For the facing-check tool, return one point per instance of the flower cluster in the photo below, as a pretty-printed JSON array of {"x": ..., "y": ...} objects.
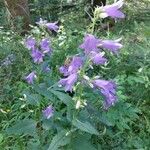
[
  {"x": 93, "y": 49},
  {"x": 38, "y": 51}
]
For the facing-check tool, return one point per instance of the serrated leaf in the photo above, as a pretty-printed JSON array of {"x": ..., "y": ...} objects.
[
  {"x": 26, "y": 126},
  {"x": 85, "y": 126},
  {"x": 60, "y": 139},
  {"x": 65, "y": 98}
]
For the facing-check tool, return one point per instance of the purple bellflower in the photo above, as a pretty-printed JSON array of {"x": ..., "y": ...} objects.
[
  {"x": 48, "y": 112},
  {"x": 73, "y": 67},
  {"x": 75, "y": 64},
  {"x": 69, "y": 82},
  {"x": 30, "y": 78},
  {"x": 30, "y": 43},
  {"x": 108, "y": 89},
  {"x": 112, "y": 10},
  {"x": 37, "y": 56},
  {"x": 52, "y": 26},
  {"x": 97, "y": 58},
  {"x": 90, "y": 43},
  {"x": 45, "y": 46},
  {"x": 111, "y": 45}
]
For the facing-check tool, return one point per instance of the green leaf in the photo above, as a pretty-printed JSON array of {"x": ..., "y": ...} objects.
[
  {"x": 60, "y": 139},
  {"x": 1, "y": 138},
  {"x": 26, "y": 126},
  {"x": 66, "y": 99},
  {"x": 43, "y": 91},
  {"x": 33, "y": 99},
  {"x": 85, "y": 126},
  {"x": 84, "y": 141}
]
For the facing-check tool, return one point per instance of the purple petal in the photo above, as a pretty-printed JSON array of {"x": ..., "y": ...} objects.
[
  {"x": 98, "y": 58},
  {"x": 31, "y": 77},
  {"x": 69, "y": 82},
  {"x": 113, "y": 46},
  {"x": 108, "y": 89},
  {"x": 52, "y": 26},
  {"x": 37, "y": 56},
  {"x": 90, "y": 43},
  {"x": 45, "y": 45},
  {"x": 48, "y": 112},
  {"x": 30, "y": 43}
]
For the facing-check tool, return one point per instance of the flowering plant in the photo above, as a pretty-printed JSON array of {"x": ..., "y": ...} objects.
[{"x": 78, "y": 90}]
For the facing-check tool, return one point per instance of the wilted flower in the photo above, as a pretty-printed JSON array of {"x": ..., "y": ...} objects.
[
  {"x": 45, "y": 46},
  {"x": 52, "y": 26},
  {"x": 108, "y": 89},
  {"x": 30, "y": 43},
  {"x": 31, "y": 77},
  {"x": 90, "y": 43},
  {"x": 97, "y": 58},
  {"x": 111, "y": 45},
  {"x": 69, "y": 82},
  {"x": 48, "y": 112},
  {"x": 112, "y": 10},
  {"x": 37, "y": 56}
]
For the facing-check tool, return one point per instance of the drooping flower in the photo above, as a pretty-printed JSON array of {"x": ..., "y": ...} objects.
[
  {"x": 73, "y": 67},
  {"x": 37, "y": 56},
  {"x": 52, "y": 26},
  {"x": 30, "y": 78},
  {"x": 69, "y": 82},
  {"x": 48, "y": 112},
  {"x": 90, "y": 43},
  {"x": 112, "y": 10},
  {"x": 30, "y": 43},
  {"x": 111, "y": 45},
  {"x": 45, "y": 45},
  {"x": 97, "y": 58},
  {"x": 108, "y": 89},
  {"x": 75, "y": 64}
]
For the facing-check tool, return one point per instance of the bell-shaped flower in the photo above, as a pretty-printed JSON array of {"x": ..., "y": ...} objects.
[
  {"x": 75, "y": 64},
  {"x": 30, "y": 78},
  {"x": 97, "y": 58},
  {"x": 108, "y": 89},
  {"x": 37, "y": 56},
  {"x": 45, "y": 45},
  {"x": 112, "y": 10},
  {"x": 111, "y": 45},
  {"x": 30, "y": 43},
  {"x": 73, "y": 67},
  {"x": 52, "y": 26},
  {"x": 48, "y": 112},
  {"x": 90, "y": 43},
  {"x": 69, "y": 82}
]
